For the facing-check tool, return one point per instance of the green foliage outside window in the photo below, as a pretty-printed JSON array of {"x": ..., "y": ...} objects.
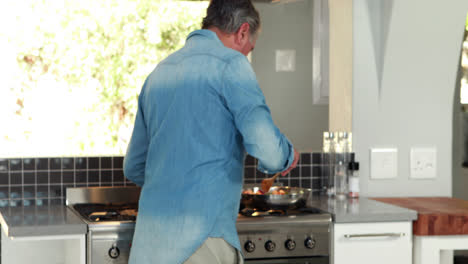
[{"x": 74, "y": 69}]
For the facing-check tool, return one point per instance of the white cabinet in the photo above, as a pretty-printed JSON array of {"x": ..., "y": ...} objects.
[
  {"x": 63, "y": 249},
  {"x": 371, "y": 243}
]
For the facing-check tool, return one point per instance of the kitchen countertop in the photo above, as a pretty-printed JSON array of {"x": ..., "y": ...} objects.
[
  {"x": 47, "y": 220},
  {"x": 56, "y": 220},
  {"x": 437, "y": 216},
  {"x": 362, "y": 210}
]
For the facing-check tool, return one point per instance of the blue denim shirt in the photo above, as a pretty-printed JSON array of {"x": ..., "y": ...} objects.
[{"x": 199, "y": 111}]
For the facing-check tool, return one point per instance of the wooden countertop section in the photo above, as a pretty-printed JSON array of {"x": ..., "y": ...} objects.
[{"x": 436, "y": 215}]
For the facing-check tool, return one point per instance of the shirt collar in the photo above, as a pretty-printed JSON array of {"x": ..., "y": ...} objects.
[{"x": 206, "y": 33}]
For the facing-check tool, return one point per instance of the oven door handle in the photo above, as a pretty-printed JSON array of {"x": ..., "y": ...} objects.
[{"x": 374, "y": 235}]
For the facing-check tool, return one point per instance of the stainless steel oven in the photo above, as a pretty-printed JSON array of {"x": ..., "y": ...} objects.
[
  {"x": 309, "y": 260},
  {"x": 298, "y": 236},
  {"x": 110, "y": 214},
  {"x": 272, "y": 237}
]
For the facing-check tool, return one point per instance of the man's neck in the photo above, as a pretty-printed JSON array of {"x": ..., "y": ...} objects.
[{"x": 226, "y": 39}]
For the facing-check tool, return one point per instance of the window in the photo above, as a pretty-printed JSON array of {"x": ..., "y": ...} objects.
[
  {"x": 464, "y": 65},
  {"x": 72, "y": 70}
]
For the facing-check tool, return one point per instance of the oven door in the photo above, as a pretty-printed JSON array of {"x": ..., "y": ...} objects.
[
  {"x": 111, "y": 246},
  {"x": 309, "y": 260}
]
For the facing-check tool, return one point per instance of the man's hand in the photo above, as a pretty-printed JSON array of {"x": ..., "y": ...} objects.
[{"x": 293, "y": 165}]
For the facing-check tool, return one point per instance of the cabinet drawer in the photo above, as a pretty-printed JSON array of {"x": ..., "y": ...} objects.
[{"x": 372, "y": 243}]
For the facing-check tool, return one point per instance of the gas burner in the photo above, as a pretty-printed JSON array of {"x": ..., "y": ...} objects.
[
  {"x": 254, "y": 212},
  {"x": 290, "y": 212},
  {"x": 107, "y": 212}
]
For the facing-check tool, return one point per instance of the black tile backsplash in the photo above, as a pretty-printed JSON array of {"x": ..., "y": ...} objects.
[
  {"x": 106, "y": 176},
  {"x": 118, "y": 162},
  {"x": 42, "y": 177},
  {"x": 81, "y": 177},
  {"x": 38, "y": 181},
  {"x": 93, "y": 176},
  {"x": 305, "y": 158},
  {"x": 316, "y": 158},
  {"x": 16, "y": 178},
  {"x": 55, "y": 177},
  {"x": 68, "y": 177},
  {"x": 118, "y": 175},
  {"x": 16, "y": 192},
  {"x": 250, "y": 161},
  {"x": 55, "y": 163},
  {"x": 249, "y": 172},
  {"x": 29, "y": 177},
  {"x": 106, "y": 162},
  {"x": 42, "y": 164},
  {"x": 295, "y": 172},
  {"x": 4, "y": 165},
  {"x": 4, "y": 178},
  {"x": 29, "y": 191},
  {"x": 16, "y": 165},
  {"x": 29, "y": 164},
  {"x": 55, "y": 191},
  {"x": 68, "y": 163},
  {"x": 42, "y": 191},
  {"x": 4, "y": 192},
  {"x": 93, "y": 163},
  {"x": 311, "y": 172},
  {"x": 81, "y": 163}
]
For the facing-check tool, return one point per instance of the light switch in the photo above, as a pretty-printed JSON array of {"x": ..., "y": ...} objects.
[
  {"x": 423, "y": 163},
  {"x": 285, "y": 60},
  {"x": 384, "y": 163}
]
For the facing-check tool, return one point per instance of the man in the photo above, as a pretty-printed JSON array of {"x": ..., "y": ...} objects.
[{"x": 198, "y": 112}]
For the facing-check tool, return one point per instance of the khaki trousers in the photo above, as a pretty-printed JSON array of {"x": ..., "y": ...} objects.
[{"x": 215, "y": 251}]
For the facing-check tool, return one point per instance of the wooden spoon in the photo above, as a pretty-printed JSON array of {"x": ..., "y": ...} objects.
[{"x": 268, "y": 182}]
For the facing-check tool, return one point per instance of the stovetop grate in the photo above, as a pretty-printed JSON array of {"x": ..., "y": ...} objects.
[
  {"x": 289, "y": 212},
  {"x": 107, "y": 212}
]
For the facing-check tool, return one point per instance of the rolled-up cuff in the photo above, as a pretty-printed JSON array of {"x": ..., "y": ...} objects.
[{"x": 288, "y": 162}]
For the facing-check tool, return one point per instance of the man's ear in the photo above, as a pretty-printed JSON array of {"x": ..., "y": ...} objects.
[{"x": 242, "y": 34}]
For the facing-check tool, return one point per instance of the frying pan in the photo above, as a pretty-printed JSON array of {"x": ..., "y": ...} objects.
[{"x": 295, "y": 198}]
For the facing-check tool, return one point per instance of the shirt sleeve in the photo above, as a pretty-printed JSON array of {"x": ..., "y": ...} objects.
[
  {"x": 252, "y": 117},
  {"x": 135, "y": 158}
]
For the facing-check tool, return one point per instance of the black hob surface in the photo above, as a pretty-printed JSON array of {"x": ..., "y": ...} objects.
[
  {"x": 248, "y": 212},
  {"x": 107, "y": 212}
]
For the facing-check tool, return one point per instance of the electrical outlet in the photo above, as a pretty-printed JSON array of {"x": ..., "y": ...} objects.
[
  {"x": 384, "y": 163},
  {"x": 423, "y": 163}
]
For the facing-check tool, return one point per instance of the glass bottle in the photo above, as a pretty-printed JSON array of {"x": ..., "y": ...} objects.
[
  {"x": 331, "y": 165},
  {"x": 353, "y": 171},
  {"x": 326, "y": 142},
  {"x": 341, "y": 181}
]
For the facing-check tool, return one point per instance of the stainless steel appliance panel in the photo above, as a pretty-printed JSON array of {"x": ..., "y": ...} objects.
[
  {"x": 110, "y": 247},
  {"x": 317, "y": 238},
  {"x": 311, "y": 260}
]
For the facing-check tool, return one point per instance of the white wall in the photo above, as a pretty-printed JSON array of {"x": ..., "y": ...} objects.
[
  {"x": 414, "y": 104},
  {"x": 289, "y": 94}
]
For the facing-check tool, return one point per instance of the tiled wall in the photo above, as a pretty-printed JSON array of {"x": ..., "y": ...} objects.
[
  {"x": 312, "y": 170},
  {"x": 38, "y": 181}
]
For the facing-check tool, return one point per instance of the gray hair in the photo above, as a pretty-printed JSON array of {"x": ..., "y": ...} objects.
[{"x": 229, "y": 15}]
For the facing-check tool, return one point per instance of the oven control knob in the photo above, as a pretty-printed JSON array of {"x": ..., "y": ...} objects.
[
  {"x": 270, "y": 246},
  {"x": 249, "y": 246},
  {"x": 309, "y": 243},
  {"x": 290, "y": 244},
  {"x": 114, "y": 252}
]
